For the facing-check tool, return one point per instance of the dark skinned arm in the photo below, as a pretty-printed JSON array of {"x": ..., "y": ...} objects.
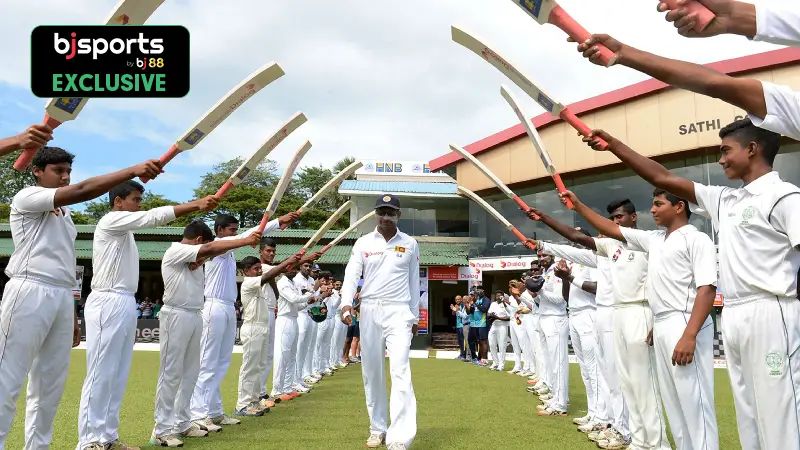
[
  {"x": 35, "y": 136},
  {"x": 221, "y": 246},
  {"x": 97, "y": 186},
  {"x": 273, "y": 273},
  {"x": 588, "y": 286},
  {"x": 602, "y": 224},
  {"x": 685, "y": 348},
  {"x": 564, "y": 230}
]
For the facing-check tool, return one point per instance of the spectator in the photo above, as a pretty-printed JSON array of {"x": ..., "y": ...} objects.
[
  {"x": 462, "y": 327},
  {"x": 157, "y": 308},
  {"x": 138, "y": 309},
  {"x": 479, "y": 329},
  {"x": 147, "y": 309}
]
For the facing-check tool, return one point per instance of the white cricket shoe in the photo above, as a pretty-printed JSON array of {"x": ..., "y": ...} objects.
[
  {"x": 614, "y": 442},
  {"x": 341, "y": 364},
  {"x": 225, "y": 420},
  {"x": 592, "y": 426},
  {"x": 546, "y": 397},
  {"x": 601, "y": 435},
  {"x": 551, "y": 412},
  {"x": 582, "y": 420},
  {"x": 513, "y": 371},
  {"x": 208, "y": 425},
  {"x": 310, "y": 380},
  {"x": 375, "y": 440},
  {"x": 328, "y": 372},
  {"x": 194, "y": 431},
  {"x": 396, "y": 446},
  {"x": 167, "y": 440},
  {"x": 94, "y": 446}
]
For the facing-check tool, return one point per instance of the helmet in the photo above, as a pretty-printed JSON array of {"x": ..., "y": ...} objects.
[{"x": 318, "y": 312}]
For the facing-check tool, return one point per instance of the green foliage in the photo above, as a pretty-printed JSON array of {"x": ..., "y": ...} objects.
[
  {"x": 79, "y": 218},
  {"x": 12, "y": 181},
  {"x": 5, "y": 212}
]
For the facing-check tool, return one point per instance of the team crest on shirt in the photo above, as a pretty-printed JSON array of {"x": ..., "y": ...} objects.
[
  {"x": 617, "y": 254},
  {"x": 631, "y": 256},
  {"x": 747, "y": 214},
  {"x": 775, "y": 363}
]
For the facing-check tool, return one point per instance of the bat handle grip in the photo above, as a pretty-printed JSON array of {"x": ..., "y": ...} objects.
[
  {"x": 561, "y": 188},
  {"x": 569, "y": 117},
  {"x": 165, "y": 158},
  {"x": 264, "y": 220},
  {"x": 563, "y": 20},
  {"x": 325, "y": 248},
  {"x": 223, "y": 189},
  {"x": 524, "y": 206},
  {"x": 703, "y": 15},
  {"x": 25, "y": 158},
  {"x": 522, "y": 238}
]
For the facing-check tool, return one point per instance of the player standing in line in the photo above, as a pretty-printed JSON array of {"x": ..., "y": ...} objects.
[
  {"x": 110, "y": 311},
  {"x": 498, "y": 331},
  {"x": 388, "y": 260},
  {"x": 219, "y": 324},
  {"x": 530, "y": 326},
  {"x": 325, "y": 333},
  {"x": 37, "y": 314},
  {"x": 758, "y": 226},
  {"x": 339, "y": 332},
  {"x": 306, "y": 332},
  {"x": 519, "y": 339}
]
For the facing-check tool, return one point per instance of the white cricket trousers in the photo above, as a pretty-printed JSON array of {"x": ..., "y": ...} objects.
[
  {"x": 762, "y": 339},
  {"x": 216, "y": 347},
  {"x": 542, "y": 363},
  {"x": 36, "y": 320},
  {"x": 283, "y": 369},
  {"x": 110, "y": 319},
  {"x": 610, "y": 388},
  {"x": 498, "y": 342},
  {"x": 180, "y": 332},
  {"x": 255, "y": 344},
  {"x": 388, "y": 326},
  {"x": 531, "y": 328},
  {"x": 269, "y": 355},
  {"x": 584, "y": 344},
  {"x": 637, "y": 375},
  {"x": 322, "y": 346},
  {"x": 687, "y": 391},
  {"x": 556, "y": 334},
  {"x": 306, "y": 337},
  {"x": 337, "y": 341},
  {"x": 519, "y": 343}
]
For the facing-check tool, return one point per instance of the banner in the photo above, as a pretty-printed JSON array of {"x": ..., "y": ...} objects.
[
  {"x": 515, "y": 263},
  {"x": 443, "y": 273},
  {"x": 395, "y": 167},
  {"x": 423, "y": 301}
]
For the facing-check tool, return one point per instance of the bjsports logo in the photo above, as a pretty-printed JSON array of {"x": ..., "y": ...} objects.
[{"x": 100, "y": 46}]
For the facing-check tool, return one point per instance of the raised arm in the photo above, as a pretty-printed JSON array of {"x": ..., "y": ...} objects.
[
  {"x": 123, "y": 221},
  {"x": 562, "y": 229},
  {"x": 221, "y": 246},
  {"x": 97, "y": 186},
  {"x": 35, "y": 136},
  {"x": 731, "y": 17},
  {"x": 602, "y": 224},
  {"x": 273, "y": 273},
  {"x": 575, "y": 255}
]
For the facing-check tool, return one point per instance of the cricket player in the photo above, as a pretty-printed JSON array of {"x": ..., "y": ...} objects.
[
  {"x": 388, "y": 260},
  {"x": 530, "y": 326},
  {"x": 219, "y": 324},
  {"x": 180, "y": 330},
  {"x": 339, "y": 331},
  {"x": 110, "y": 311},
  {"x": 306, "y": 334},
  {"x": 322, "y": 354},
  {"x": 758, "y": 225},
  {"x": 498, "y": 333},
  {"x": 519, "y": 340},
  {"x": 37, "y": 314},
  {"x": 254, "y": 332},
  {"x": 554, "y": 329}
]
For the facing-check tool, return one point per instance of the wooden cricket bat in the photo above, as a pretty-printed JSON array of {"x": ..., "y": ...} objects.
[
  {"x": 328, "y": 224},
  {"x": 335, "y": 181},
  {"x": 464, "y": 192},
  {"x": 280, "y": 189},
  {"x": 344, "y": 233}
]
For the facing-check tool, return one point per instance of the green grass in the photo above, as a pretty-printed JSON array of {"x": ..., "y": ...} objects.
[{"x": 459, "y": 406}]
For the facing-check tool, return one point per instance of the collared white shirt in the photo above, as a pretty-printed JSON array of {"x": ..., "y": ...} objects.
[
  {"x": 579, "y": 299},
  {"x": 390, "y": 270},
  {"x": 221, "y": 269},
  {"x": 551, "y": 297},
  {"x": 255, "y": 309},
  {"x": 333, "y": 303},
  {"x": 677, "y": 265},
  {"x": 759, "y": 231},
  {"x": 501, "y": 311},
  {"x": 44, "y": 238},
  {"x": 783, "y": 110},
  {"x": 115, "y": 257},
  {"x": 527, "y": 299},
  {"x": 290, "y": 299},
  {"x": 628, "y": 270},
  {"x": 778, "y": 24},
  {"x": 302, "y": 282},
  {"x": 183, "y": 288},
  {"x": 587, "y": 258},
  {"x": 266, "y": 290}
]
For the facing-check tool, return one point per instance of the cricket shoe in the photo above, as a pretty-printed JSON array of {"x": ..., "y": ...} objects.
[
  {"x": 167, "y": 440},
  {"x": 225, "y": 420},
  {"x": 284, "y": 397},
  {"x": 533, "y": 376},
  {"x": 294, "y": 395},
  {"x": 310, "y": 380},
  {"x": 94, "y": 446},
  {"x": 328, "y": 372},
  {"x": 208, "y": 425},
  {"x": 301, "y": 389},
  {"x": 524, "y": 373},
  {"x": 601, "y": 435},
  {"x": 551, "y": 412},
  {"x": 543, "y": 390},
  {"x": 396, "y": 446},
  {"x": 542, "y": 407},
  {"x": 545, "y": 397},
  {"x": 119, "y": 445},
  {"x": 317, "y": 375},
  {"x": 194, "y": 431},
  {"x": 341, "y": 365},
  {"x": 582, "y": 420},
  {"x": 513, "y": 371},
  {"x": 531, "y": 382},
  {"x": 375, "y": 440},
  {"x": 271, "y": 398},
  {"x": 252, "y": 410},
  {"x": 268, "y": 403},
  {"x": 592, "y": 426},
  {"x": 614, "y": 442}
]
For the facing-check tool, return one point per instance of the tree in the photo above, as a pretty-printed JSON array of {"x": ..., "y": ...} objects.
[
  {"x": 5, "y": 212},
  {"x": 79, "y": 218},
  {"x": 12, "y": 181},
  {"x": 96, "y": 209}
]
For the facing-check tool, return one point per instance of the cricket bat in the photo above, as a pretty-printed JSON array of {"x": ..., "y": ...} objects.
[
  {"x": 703, "y": 15},
  {"x": 255, "y": 159},
  {"x": 495, "y": 179},
  {"x": 549, "y": 11},
  {"x": 63, "y": 109},
  {"x": 328, "y": 224},
  {"x": 335, "y": 181},
  {"x": 464, "y": 192},
  {"x": 280, "y": 189},
  {"x": 226, "y": 105},
  {"x": 537, "y": 143},
  {"x": 344, "y": 233},
  {"x": 555, "y": 108}
]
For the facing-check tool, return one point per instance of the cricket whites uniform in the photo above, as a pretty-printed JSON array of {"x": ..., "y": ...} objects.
[
  {"x": 554, "y": 330},
  {"x": 530, "y": 324},
  {"x": 306, "y": 333},
  {"x": 498, "y": 335},
  {"x": 677, "y": 265},
  {"x": 219, "y": 330},
  {"x": 389, "y": 308},
  {"x": 290, "y": 301},
  {"x": 759, "y": 233},
  {"x": 633, "y": 320},
  {"x": 180, "y": 329},
  {"x": 37, "y": 313},
  {"x": 255, "y": 341},
  {"x": 519, "y": 337},
  {"x": 322, "y": 357},
  {"x": 339, "y": 332},
  {"x": 270, "y": 293},
  {"x": 110, "y": 317}
]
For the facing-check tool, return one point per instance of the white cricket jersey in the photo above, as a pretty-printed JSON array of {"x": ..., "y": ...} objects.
[
  {"x": 44, "y": 239},
  {"x": 290, "y": 299},
  {"x": 527, "y": 299},
  {"x": 778, "y": 24},
  {"x": 266, "y": 290},
  {"x": 499, "y": 310},
  {"x": 677, "y": 265},
  {"x": 390, "y": 270},
  {"x": 587, "y": 258},
  {"x": 628, "y": 270},
  {"x": 183, "y": 288},
  {"x": 115, "y": 257},
  {"x": 579, "y": 299},
  {"x": 221, "y": 269},
  {"x": 304, "y": 283},
  {"x": 759, "y": 233},
  {"x": 551, "y": 297},
  {"x": 333, "y": 303},
  {"x": 254, "y": 306},
  {"x": 783, "y": 110}
]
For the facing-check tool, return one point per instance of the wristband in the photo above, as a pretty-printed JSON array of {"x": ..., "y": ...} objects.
[{"x": 577, "y": 282}]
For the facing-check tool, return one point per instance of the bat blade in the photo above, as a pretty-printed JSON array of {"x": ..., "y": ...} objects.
[
  {"x": 485, "y": 170},
  {"x": 328, "y": 224},
  {"x": 530, "y": 130},
  {"x": 539, "y": 10},
  {"x": 464, "y": 192},
  {"x": 280, "y": 189},
  {"x": 344, "y": 233},
  {"x": 335, "y": 181}
]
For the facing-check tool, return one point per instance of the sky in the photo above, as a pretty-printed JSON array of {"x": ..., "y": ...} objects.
[{"x": 377, "y": 79}]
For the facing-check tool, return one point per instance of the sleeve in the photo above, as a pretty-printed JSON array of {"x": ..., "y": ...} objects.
[
  {"x": 576, "y": 255},
  {"x": 638, "y": 240},
  {"x": 287, "y": 291},
  {"x": 250, "y": 289},
  {"x": 783, "y": 110},
  {"x": 352, "y": 273},
  {"x": 527, "y": 301},
  {"x": 708, "y": 198},
  {"x": 413, "y": 283},
  {"x": 704, "y": 260},
  {"x": 786, "y": 217},
  {"x": 484, "y": 306},
  {"x": 35, "y": 199},
  {"x": 125, "y": 221},
  {"x": 778, "y": 25},
  {"x": 604, "y": 246},
  {"x": 181, "y": 254}
]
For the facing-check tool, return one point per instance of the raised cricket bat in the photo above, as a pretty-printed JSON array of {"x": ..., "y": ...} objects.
[
  {"x": 255, "y": 159},
  {"x": 344, "y": 233},
  {"x": 495, "y": 179},
  {"x": 537, "y": 143},
  {"x": 335, "y": 181},
  {"x": 549, "y": 11},
  {"x": 328, "y": 224},
  {"x": 703, "y": 15},
  {"x": 63, "y": 109},
  {"x": 229, "y": 103},
  {"x": 555, "y": 108},
  {"x": 280, "y": 189},
  {"x": 464, "y": 192}
]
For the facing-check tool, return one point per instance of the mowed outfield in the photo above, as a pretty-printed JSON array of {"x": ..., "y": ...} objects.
[{"x": 459, "y": 406}]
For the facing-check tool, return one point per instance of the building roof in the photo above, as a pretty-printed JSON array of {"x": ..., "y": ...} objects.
[
  {"x": 735, "y": 66},
  {"x": 356, "y": 187}
]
